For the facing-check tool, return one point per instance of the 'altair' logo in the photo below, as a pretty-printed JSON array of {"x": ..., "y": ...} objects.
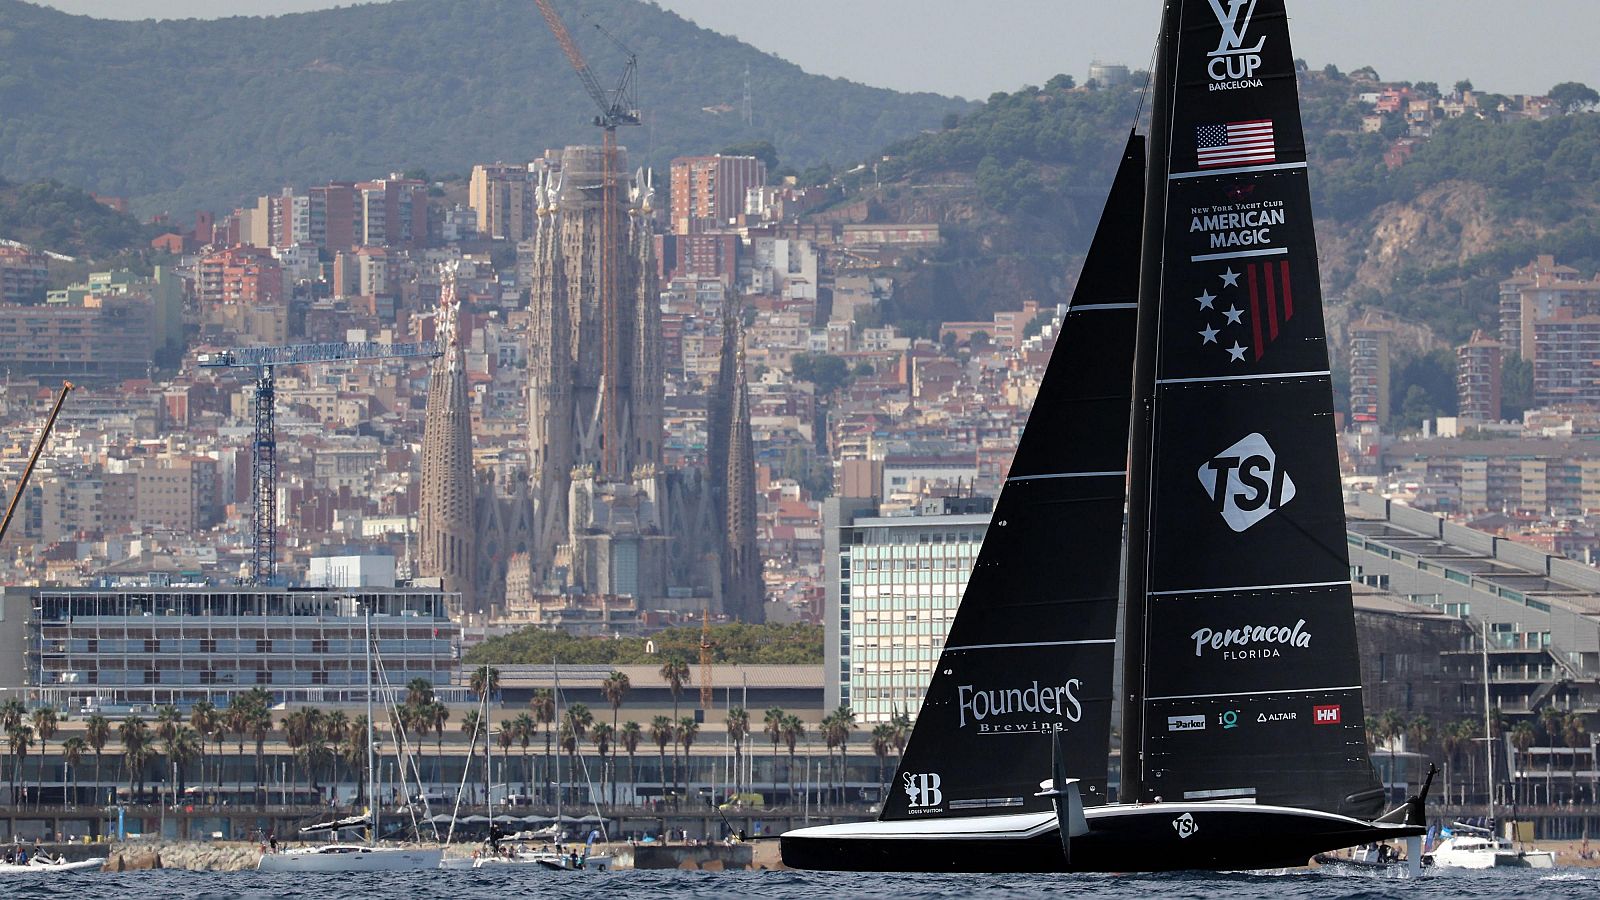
[
  {"x": 923, "y": 789},
  {"x": 1246, "y": 483},
  {"x": 1232, "y": 64}
]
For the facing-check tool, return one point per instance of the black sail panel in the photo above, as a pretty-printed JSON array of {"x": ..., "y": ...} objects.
[
  {"x": 1251, "y": 683},
  {"x": 1030, "y": 652}
]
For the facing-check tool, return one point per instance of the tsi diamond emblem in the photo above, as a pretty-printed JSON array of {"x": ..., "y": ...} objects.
[
  {"x": 1245, "y": 482},
  {"x": 1185, "y": 825}
]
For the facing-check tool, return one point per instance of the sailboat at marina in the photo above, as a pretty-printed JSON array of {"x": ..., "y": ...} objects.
[
  {"x": 368, "y": 856},
  {"x": 1243, "y": 737}
]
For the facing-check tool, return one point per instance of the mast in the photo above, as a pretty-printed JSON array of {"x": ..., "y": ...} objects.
[
  {"x": 556, "y": 672},
  {"x": 1488, "y": 723},
  {"x": 1159, "y": 163},
  {"x": 372, "y": 782}
]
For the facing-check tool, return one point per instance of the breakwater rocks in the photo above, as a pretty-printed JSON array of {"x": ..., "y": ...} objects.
[{"x": 193, "y": 856}]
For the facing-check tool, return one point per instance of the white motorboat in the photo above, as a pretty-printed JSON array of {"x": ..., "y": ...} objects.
[
  {"x": 46, "y": 863},
  {"x": 350, "y": 858},
  {"x": 1472, "y": 847}
]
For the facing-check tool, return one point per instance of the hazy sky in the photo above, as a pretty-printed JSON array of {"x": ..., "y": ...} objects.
[{"x": 976, "y": 47}]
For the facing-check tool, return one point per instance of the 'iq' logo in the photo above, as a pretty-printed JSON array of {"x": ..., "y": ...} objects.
[
  {"x": 923, "y": 789},
  {"x": 1228, "y": 719}
]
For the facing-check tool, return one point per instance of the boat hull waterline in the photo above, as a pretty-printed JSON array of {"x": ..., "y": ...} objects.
[
  {"x": 1147, "y": 838},
  {"x": 351, "y": 858}
]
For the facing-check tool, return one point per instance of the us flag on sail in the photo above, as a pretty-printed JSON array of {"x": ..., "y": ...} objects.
[{"x": 1235, "y": 144}]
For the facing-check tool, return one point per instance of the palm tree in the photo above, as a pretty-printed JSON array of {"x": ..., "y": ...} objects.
[
  {"x": 793, "y": 730},
  {"x": 354, "y": 751},
  {"x": 738, "y": 730},
  {"x": 183, "y": 748},
  {"x": 575, "y": 724},
  {"x": 1550, "y": 723},
  {"x": 12, "y": 715},
  {"x": 882, "y": 740},
  {"x": 567, "y": 742},
  {"x": 485, "y": 680},
  {"x": 97, "y": 731},
  {"x": 524, "y": 727},
  {"x": 472, "y": 723},
  {"x": 335, "y": 727},
  {"x": 1575, "y": 735},
  {"x": 688, "y": 730},
  {"x": 236, "y": 719},
  {"x": 72, "y": 750},
  {"x": 543, "y": 707},
  {"x": 615, "y": 688},
  {"x": 661, "y": 733},
  {"x": 602, "y": 736},
  {"x": 844, "y": 722},
  {"x": 260, "y": 728},
  {"x": 435, "y": 714},
  {"x": 772, "y": 723},
  {"x": 1390, "y": 727},
  {"x": 901, "y": 722},
  {"x": 675, "y": 672},
  {"x": 419, "y": 692},
  {"x": 830, "y": 738},
  {"x": 135, "y": 735},
  {"x": 167, "y": 721},
  {"x": 631, "y": 733},
  {"x": 205, "y": 720},
  {"x": 1522, "y": 736},
  {"x": 505, "y": 737},
  {"x": 1419, "y": 732},
  {"x": 20, "y": 738},
  {"x": 44, "y": 725}
]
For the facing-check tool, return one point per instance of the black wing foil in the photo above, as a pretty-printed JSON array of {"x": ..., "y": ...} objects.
[
  {"x": 1030, "y": 652},
  {"x": 1251, "y": 672}
]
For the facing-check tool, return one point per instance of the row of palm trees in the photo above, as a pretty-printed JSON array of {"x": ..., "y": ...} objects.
[{"x": 1461, "y": 741}]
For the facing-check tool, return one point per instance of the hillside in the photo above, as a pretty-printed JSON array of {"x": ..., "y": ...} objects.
[
  {"x": 176, "y": 115},
  {"x": 52, "y": 216},
  {"x": 1018, "y": 184}
]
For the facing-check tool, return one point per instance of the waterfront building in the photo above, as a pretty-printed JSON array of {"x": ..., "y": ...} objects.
[{"x": 112, "y": 649}]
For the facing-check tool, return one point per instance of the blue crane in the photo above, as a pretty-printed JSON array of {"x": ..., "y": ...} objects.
[{"x": 264, "y": 452}]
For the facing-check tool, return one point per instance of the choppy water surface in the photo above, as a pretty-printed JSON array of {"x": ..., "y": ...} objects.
[{"x": 500, "y": 884}]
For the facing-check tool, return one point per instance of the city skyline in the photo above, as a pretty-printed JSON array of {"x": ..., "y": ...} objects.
[{"x": 905, "y": 44}]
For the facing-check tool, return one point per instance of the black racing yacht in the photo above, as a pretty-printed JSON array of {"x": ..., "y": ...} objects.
[{"x": 1243, "y": 737}]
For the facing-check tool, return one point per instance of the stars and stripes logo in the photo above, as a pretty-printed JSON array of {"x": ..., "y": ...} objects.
[
  {"x": 1235, "y": 144},
  {"x": 1262, "y": 291}
]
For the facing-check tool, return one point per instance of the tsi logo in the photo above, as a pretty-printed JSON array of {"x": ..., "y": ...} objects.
[
  {"x": 1228, "y": 719},
  {"x": 1232, "y": 64},
  {"x": 923, "y": 789},
  {"x": 1325, "y": 715},
  {"x": 1186, "y": 723},
  {"x": 1185, "y": 826},
  {"x": 1245, "y": 482}
]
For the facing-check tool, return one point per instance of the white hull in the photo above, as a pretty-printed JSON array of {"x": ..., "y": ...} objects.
[
  {"x": 85, "y": 865},
  {"x": 1482, "y": 853},
  {"x": 350, "y": 858},
  {"x": 546, "y": 860}
]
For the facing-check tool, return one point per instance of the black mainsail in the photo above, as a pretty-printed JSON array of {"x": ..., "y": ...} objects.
[
  {"x": 1243, "y": 733},
  {"x": 1031, "y": 650},
  {"x": 1242, "y": 663}
]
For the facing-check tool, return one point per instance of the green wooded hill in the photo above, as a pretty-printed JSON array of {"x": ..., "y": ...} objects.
[
  {"x": 1018, "y": 184},
  {"x": 176, "y": 115}
]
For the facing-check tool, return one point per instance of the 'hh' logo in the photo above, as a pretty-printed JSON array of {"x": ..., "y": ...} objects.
[
  {"x": 1246, "y": 483},
  {"x": 1232, "y": 59},
  {"x": 1185, "y": 825},
  {"x": 1325, "y": 715},
  {"x": 923, "y": 789}
]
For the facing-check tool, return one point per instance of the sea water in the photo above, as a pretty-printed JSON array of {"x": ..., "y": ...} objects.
[{"x": 500, "y": 884}]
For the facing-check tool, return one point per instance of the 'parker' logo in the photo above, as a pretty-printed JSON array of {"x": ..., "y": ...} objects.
[
  {"x": 923, "y": 789},
  {"x": 1246, "y": 483}
]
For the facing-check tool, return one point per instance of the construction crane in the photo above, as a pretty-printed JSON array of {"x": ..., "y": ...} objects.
[
  {"x": 264, "y": 450},
  {"x": 33, "y": 458},
  {"x": 705, "y": 660},
  {"x": 617, "y": 108}
]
